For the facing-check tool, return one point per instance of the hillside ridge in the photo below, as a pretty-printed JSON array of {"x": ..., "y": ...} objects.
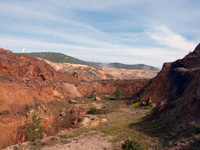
[{"x": 62, "y": 58}]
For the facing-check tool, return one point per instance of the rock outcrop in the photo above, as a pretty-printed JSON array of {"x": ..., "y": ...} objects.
[
  {"x": 25, "y": 82},
  {"x": 25, "y": 66},
  {"x": 89, "y": 73},
  {"x": 178, "y": 82},
  {"x": 108, "y": 87}
]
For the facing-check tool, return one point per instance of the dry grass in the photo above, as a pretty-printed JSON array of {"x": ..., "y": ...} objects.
[
  {"x": 117, "y": 129},
  {"x": 118, "y": 126}
]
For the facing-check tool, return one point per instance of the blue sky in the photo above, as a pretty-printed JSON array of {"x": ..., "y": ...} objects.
[{"x": 127, "y": 31}]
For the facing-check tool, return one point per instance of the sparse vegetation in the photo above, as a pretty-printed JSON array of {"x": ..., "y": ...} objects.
[
  {"x": 152, "y": 110},
  {"x": 92, "y": 95},
  {"x": 147, "y": 107},
  {"x": 194, "y": 128},
  {"x": 79, "y": 98},
  {"x": 64, "y": 136},
  {"x": 138, "y": 94},
  {"x": 118, "y": 92},
  {"x": 109, "y": 76},
  {"x": 130, "y": 145},
  {"x": 27, "y": 108},
  {"x": 6, "y": 112},
  {"x": 93, "y": 110},
  {"x": 109, "y": 131},
  {"x": 134, "y": 105},
  {"x": 35, "y": 130},
  {"x": 117, "y": 126},
  {"x": 91, "y": 72}
]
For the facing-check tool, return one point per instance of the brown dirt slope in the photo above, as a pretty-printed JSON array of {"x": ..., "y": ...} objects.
[{"x": 25, "y": 82}]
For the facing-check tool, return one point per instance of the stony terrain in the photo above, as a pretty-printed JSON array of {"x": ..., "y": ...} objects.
[
  {"x": 161, "y": 113},
  {"x": 105, "y": 130},
  {"x": 31, "y": 85},
  {"x": 176, "y": 93},
  {"x": 89, "y": 73}
]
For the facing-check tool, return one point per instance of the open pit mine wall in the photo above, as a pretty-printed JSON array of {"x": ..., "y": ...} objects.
[
  {"x": 108, "y": 87},
  {"x": 28, "y": 84}
]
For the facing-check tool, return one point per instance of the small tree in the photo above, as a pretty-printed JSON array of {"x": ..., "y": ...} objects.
[
  {"x": 93, "y": 110},
  {"x": 35, "y": 130},
  {"x": 130, "y": 145},
  {"x": 92, "y": 94},
  {"x": 138, "y": 94},
  {"x": 118, "y": 92}
]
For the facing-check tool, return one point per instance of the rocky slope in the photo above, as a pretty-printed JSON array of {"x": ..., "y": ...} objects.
[
  {"x": 177, "y": 80},
  {"x": 89, "y": 73},
  {"x": 31, "y": 85},
  {"x": 176, "y": 93},
  {"x": 27, "y": 82}
]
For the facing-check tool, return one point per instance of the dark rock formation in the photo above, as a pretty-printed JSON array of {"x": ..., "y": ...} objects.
[{"x": 178, "y": 82}]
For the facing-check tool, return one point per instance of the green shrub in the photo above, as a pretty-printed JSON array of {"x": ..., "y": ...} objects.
[
  {"x": 6, "y": 112},
  {"x": 109, "y": 76},
  {"x": 147, "y": 107},
  {"x": 134, "y": 105},
  {"x": 35, "y": 130},
  {"x": 130, "y": 145},
  {"x": 152, "y": 110},
  {"x": 138, "y": 94},
  {"x": 92, "y": 95},
  {"x": 194, "y": 128},
  {"x": 118, "y": 92},
  {"x": 93, "y": 110}
]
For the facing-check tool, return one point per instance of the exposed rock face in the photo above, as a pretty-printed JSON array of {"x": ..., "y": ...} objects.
[
  {"x": 104, "y": 87},
  {"x": 27, "y": 82},
  {"x": 178, "y": 81},
  {"x": 30, "y": 67},
  {"x": 89, "y": 74}
]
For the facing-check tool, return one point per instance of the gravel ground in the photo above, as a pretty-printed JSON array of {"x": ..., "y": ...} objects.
[{"x": 83, "y": 143}]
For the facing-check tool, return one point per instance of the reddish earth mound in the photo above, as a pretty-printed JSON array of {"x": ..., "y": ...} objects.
[
  {"x": 29, "y": 67},
  {"x": 25, "y": 82}
]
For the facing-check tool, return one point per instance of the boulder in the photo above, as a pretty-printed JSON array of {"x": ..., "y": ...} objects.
[
  {"x": 97, "y": 99},
  {"x": 73, "y": 101},
  {"x": 62, "y": 114}
]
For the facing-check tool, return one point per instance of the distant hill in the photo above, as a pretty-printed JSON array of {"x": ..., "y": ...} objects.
[
  {"x": 126, "y": 66},
  {"x": 62, "y": 58},
  {"x": 58, "y": 58}
]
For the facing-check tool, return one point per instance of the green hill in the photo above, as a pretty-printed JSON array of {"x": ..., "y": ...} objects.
[{"x": 62, "y": 58}]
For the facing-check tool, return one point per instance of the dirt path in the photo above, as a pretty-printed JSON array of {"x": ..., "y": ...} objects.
[{"x": 84, "y": 142}]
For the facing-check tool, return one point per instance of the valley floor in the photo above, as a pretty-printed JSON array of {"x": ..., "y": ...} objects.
[{"x": 104, "y": 131}]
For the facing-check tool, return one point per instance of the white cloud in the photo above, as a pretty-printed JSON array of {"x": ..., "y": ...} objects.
[
  {"x": 167, "y": 37},
  {"x": 60, "y": 28}
]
